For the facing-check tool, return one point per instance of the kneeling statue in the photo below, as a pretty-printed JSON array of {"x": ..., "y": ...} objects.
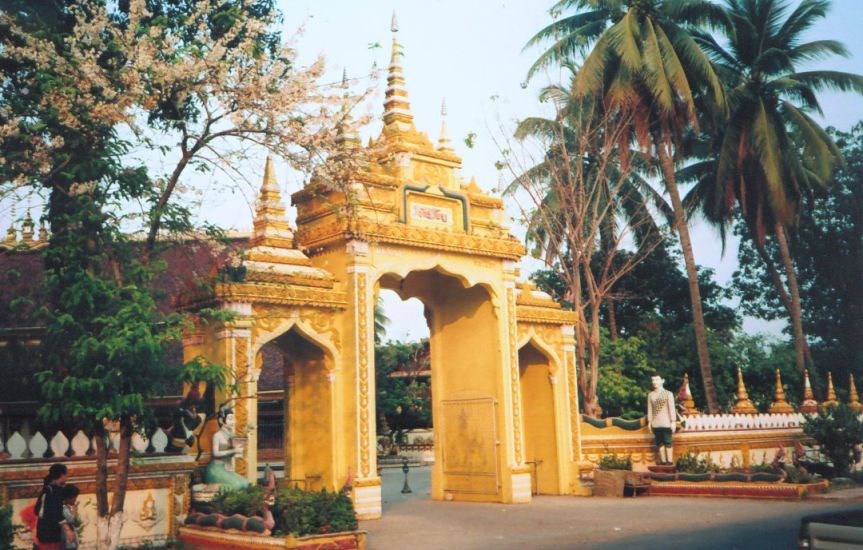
[{"x": 221, "y": 467}]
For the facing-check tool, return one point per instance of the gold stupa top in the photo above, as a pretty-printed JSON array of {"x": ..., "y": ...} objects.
[
  {"x": 780, "y": 405},
  {"x": 744, "y": 404},
  {"x": 831, "y": 400},
  {"x": 809, "y": 405},
  {"x": 854, "y": 401},
  {"x": 685, "y": 397}
]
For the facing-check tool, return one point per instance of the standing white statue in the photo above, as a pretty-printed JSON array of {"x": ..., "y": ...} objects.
[{"x": 661, "y": 418}]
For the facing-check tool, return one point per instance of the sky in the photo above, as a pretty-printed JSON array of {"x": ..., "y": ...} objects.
[{"x": 471, "y": 53}]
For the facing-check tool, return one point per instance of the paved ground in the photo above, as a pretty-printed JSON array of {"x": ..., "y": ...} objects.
[{"x": 415, "y": 522}]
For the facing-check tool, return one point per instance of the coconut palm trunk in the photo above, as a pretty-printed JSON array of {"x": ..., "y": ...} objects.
[
  {"x": 667, "y": 166},
  {"x": 795, "y": 309},
  {"x": 785, "y": 298}
]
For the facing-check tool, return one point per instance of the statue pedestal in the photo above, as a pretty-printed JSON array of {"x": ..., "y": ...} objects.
[{"x": 662, "y": 469}]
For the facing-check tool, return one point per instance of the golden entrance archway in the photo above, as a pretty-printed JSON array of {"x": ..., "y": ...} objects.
[{"x": 503, "y": 382}]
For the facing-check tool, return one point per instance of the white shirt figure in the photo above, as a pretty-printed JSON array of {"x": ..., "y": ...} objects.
[
  {"x": 662, "y": 419},
  {"x": 660, "y": 408}
]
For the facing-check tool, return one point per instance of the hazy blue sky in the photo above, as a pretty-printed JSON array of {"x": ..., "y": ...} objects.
[{"x": 471, "y": 54}]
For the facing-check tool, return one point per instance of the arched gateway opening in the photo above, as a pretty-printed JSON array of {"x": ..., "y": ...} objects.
[
  {"x": 537, "y": 386},
  {"x": 303, "y": 427},
  {"x": 465, "y": 384}
]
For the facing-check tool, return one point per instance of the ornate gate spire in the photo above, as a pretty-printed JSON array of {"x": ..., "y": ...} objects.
[{"x": 397, "y": 108}]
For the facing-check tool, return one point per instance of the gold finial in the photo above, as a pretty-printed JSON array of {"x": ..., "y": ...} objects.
[
  {"x": 854, "y": 401},
  {"x": 270, "y": 183},
  {"x": 831, "y": 400},
  {"x": 779, "y": 405},
  {"x": 394, "y": 24},
  {"x": 397, "y": 107},
  {"x": 743, "y": 404},
  {"x": 43, "y": 232},
  {"x": 443, "y": 141},
  {"x": 809, "y": 405},
  {"x": 685, "y": 397},
  {"x": 345, "y": 79}
]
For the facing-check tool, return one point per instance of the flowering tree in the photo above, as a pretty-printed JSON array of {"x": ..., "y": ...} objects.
[{"x": 93, "y": 95}]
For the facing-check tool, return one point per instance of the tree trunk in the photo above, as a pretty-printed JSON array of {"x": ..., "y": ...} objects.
[
  {"x": 667, "y": 166},
  {"x": 580, "y": 352},
  {"x": 785, "y": 299},
  {"x": 612, "y": 319},
  {"x": 794, "y": 291},
  {"x": 109, "y": 522},
  {"x": 594, "y": 344}
]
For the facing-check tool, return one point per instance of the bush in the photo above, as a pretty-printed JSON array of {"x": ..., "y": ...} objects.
[
  {"x": 691, "y": 463},
  {"x": 797, "y": 475},
  {"x": 295, "y": 511},
  {"x": 306, "y": 513},
  {"x": 611, "y": 461},
  {"x": 839, "y": 432},
  {"x": 7, "y": 530},
  {"x": 248, "y": 501}
]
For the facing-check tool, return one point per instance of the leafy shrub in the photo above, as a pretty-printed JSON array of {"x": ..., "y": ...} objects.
[
  {"x": 7, "y": 530},
  {"x": 839, "y": 432},
  {"x": 248, "y": 501},
  {"x": 611, "y": 461},
  {"x": 304, "y": 513},
  {"x": 692, "y": 463},
  {"x": 797, "y": 475}
]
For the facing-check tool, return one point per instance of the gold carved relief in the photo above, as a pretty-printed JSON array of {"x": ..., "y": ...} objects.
[
  {"x": 574, "y": 423},
  {"x": 514, "y": 375},
  {"x": 363, "y": 365},
  {"x": 428, "y": 173}
]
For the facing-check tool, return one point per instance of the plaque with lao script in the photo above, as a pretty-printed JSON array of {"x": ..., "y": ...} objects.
[{"x": 433, "y": 211}]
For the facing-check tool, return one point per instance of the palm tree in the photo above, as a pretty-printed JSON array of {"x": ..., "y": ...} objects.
[
  {"x": 769, "y": 154},
  {"x": 381, "y": 321},
  {"x": 646, "y": 67}
]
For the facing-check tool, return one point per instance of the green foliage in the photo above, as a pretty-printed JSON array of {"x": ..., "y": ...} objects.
[
  {"x": 248, "y": 501},
  {"x": 839, "y": 432},
  {"x": 7, "y": 529},
  {"x": 624, "y": 376},
  {"x": 403, "y": 399},
  {"x": 305, "y": 513},
  {"x": 794, "y": 474},
  {"x": 693, "y": 463},
  {"x": 613, "y": 461}
]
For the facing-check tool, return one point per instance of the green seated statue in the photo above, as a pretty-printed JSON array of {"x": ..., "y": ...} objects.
[{"x": 221, "y": 467}]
